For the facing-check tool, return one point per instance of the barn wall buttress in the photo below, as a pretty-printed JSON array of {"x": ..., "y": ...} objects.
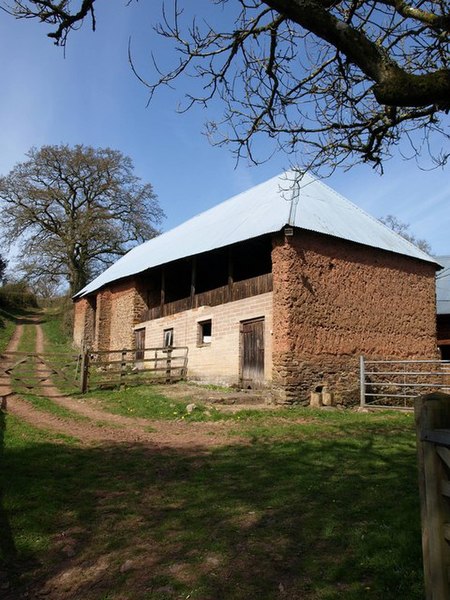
[{"x": 105, "y": 321}]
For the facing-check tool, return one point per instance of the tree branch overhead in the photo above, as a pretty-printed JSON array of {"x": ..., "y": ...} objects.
[{"x": 329, "y": 81}]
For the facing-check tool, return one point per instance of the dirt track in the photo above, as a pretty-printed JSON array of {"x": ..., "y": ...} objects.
[{"x": 98, "y": 426}]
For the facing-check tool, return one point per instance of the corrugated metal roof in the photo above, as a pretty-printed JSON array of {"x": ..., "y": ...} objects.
[
  {"x": 265, "y": 208},
  {"x": 443, "y": 286}
]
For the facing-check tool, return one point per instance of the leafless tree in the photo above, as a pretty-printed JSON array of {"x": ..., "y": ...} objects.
[
  {"x": 403, "y": 229},
  {"x": 330, "y": 81},
  {"x": 74, "y": 210}
]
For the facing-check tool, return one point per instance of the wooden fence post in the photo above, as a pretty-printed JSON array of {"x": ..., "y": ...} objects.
[
  {"x": 123, "y": 367},
  {"x": 84, "y": 380},
  {"x": 169, "y": 365},
  {"x": 432, "y": 414}
]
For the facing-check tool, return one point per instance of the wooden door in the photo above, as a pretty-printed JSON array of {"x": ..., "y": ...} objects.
[
  {"x": 139, "y": 343},
  {"x": 252, "y": 353}
]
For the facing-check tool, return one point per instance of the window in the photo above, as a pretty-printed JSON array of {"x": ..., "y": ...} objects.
[
  {"x": 168, "y": 338},
  {"x": 139, "y": 343},
  {"x": 204, "y": 332}
]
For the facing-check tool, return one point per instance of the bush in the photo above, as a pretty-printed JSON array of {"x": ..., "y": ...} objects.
[{"x": 17, "y": 295}]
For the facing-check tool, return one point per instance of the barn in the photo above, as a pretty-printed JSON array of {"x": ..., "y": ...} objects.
[{"x": 282, "y": 286}]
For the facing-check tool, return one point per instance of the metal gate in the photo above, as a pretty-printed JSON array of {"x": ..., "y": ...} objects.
[{"x": 396, "y": 383}]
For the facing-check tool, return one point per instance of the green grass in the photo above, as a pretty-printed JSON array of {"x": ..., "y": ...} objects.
[
  {"x": 330, "y": 511},
  {"x": 147, "y": 402},
  {"x": 55, "y": 332},
  {"x": 8, "y": 321},
  {"x": 316, "y": 505},
  {"x": 7, "y": 326}
]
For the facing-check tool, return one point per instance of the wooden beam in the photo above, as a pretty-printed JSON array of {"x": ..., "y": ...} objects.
[
  {"x": 193, "y": 279},
  {"x": 230, "y": 273},
  {"x": 163, "y": 290}
]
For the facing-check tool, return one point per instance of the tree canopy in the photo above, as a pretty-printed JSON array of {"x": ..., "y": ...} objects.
[
  {"x": 332, "y": 82},
  {"x": 74, "y": 210}
]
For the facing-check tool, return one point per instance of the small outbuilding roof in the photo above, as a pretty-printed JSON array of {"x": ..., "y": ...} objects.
[
  {"x": 443, "y": 286},
  {"x": 265, "y": 208}
]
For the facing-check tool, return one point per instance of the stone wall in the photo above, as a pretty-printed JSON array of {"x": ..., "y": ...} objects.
[
  {"x": 84, "y": 321},
  {"x": 105, "y": 321},
  {"x": 79, "y": 316},
  {"x": 336, "y": 300},
  {"x": 219, "y": 361}
]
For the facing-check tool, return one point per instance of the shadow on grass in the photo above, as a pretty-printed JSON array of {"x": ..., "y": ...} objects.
[
  {"x": 309, "y": 519},
  {"x": 8, "y": 551}
]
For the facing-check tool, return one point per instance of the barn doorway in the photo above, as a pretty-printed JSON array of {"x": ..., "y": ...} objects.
[{"x": 252, "y": 353}]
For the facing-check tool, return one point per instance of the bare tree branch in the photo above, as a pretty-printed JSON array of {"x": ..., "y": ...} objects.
[{"x": 329, "y": 81}]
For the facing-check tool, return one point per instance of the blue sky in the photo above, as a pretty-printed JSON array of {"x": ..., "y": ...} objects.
[{"x": 90, "y": 96}]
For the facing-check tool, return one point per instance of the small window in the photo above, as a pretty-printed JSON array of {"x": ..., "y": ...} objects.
[
  {"x": 168, "y": 338},
  {"x": 204, "y": 332}
]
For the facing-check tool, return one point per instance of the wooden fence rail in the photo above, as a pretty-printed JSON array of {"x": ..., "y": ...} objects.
[
  {"x": 36, "y": 372},
  {"x": 107, "y": 368},
  {"x": 39, "y": 371},
  {"x": 432, "y": 415}
]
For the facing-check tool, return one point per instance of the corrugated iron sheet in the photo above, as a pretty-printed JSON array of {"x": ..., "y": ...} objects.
[
  {"x": 443, "y": 286},
  {"x": 265, "y": 208}
]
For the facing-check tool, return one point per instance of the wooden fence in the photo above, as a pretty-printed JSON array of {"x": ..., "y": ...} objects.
[
  {"x": 37, "y": 373},
  {"x": 109, "y": 368},
  {"x": 432, "y": 414}
]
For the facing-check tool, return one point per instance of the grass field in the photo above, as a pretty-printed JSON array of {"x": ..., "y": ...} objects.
[
  {"x": 315, "y": 505},
  {"x": 8, "y": 321}
]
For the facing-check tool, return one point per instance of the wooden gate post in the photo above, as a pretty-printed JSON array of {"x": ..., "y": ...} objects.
[
  {"x": 84, "y": 379},
  {"x": 169, "y": 365},
  {"x": 123, "y": 367},
  {"x": 432, "y": 415}
]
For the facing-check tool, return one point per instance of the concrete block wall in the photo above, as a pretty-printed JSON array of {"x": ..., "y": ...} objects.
[
  {"x": 219, "y": 361},
  {"x": 336, "y": 300}
]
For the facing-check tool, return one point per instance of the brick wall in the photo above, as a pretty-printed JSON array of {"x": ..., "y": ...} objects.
[
  {"x": 336, "y": 300},
  {"x": 219, "y": 361}
]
